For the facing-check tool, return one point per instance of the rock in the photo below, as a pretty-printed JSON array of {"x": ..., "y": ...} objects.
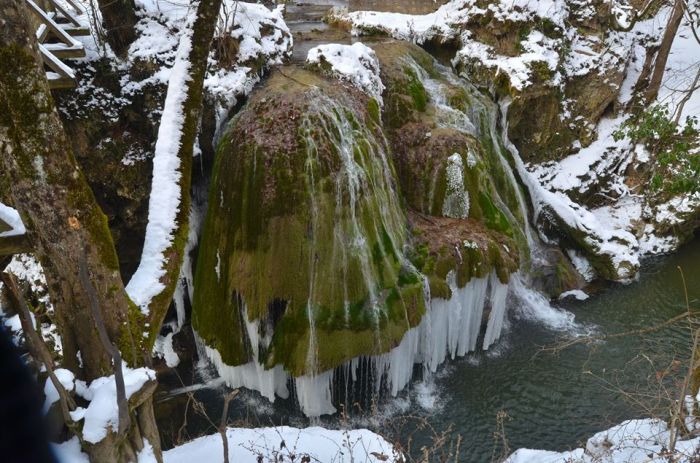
[
  {"x": 300, "y": 260},
  {"x": 451, "y": 180}
]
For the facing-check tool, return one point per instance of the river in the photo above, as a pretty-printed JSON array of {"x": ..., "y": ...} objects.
[{"x": 552, "y": 401}]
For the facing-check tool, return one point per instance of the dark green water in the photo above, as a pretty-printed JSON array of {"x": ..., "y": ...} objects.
[
  {"x": 557, "y": 401},
  {"x": 552, "y": 401}
]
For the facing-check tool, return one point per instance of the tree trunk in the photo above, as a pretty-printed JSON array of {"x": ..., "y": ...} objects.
[
  {"x": 119, "y": 20},
  {"x": 674, "y": 23},
  {"x": 65, "y": 226},
  {"x": 201, "y": 37}
]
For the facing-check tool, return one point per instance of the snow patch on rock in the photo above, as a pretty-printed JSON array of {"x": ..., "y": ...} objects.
[
  {"x": 633, "y": 441},
  {"x": 356, "y": 63}
]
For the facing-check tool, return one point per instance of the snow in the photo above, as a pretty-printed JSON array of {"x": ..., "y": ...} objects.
[
  {"x": 70, "y": 452},
  {"x": 618, "y": 246},
  {"x": 67, "y": 380},
  {"x": 11, "y": 217},
  {"x": 163, "y": 348},
  {"x": 28, "y": 271},
  {"x": 356, "y": 63},
  {"x": 445, "y": 22},
  {"x": 249, "y": 22},
  {"x": 252, "y": 445},
  {"x": 633, "y": 441},
  {"x": 263, "y": 35},
  {"x": 537, "y": 48},
  {"x": 164, "y": 201},
  {"x": 245, "y": 445},
  {"x": 598, "y": 161},
  {"x": 102, "y": 413},
  {"x": 575, "y": 293}
]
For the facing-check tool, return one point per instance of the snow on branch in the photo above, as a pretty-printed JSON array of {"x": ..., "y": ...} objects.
[
  {"x": 9, "y": 218},
  {"x": 166, "y": 194}
]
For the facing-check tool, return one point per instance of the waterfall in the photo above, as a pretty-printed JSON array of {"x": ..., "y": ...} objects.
[{"x": 365, "y": 206}]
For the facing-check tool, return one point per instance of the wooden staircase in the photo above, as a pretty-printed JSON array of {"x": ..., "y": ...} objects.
[{"x": 55, "y": 35}]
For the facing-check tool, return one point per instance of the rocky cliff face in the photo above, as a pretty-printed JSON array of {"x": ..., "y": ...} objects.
[{"x": 567, "y": 75}]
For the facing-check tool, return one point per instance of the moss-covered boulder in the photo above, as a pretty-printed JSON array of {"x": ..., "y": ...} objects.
[
  {"x": 301, "y": 261},
  {"x": 449, "y": 168}
]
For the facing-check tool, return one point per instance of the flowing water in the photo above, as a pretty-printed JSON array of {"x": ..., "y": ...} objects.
[{"x": 553, "y": 401}]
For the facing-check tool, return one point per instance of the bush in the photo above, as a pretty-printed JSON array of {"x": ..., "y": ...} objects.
[{"x": 674, "y": 149}]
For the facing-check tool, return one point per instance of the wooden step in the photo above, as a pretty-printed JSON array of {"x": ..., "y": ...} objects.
[
  {"x": 62, "y": 51},
  {"x": 58, "y": 82}
]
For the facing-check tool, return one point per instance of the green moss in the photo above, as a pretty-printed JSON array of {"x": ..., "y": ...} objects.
[
  {"x": 415, "y": 89},
  {"x": 374, "y": 111},
  {"x": 494, "y": 218},
  {"x": 284, "y": 225},
  {"x": 541, "y": 71}
]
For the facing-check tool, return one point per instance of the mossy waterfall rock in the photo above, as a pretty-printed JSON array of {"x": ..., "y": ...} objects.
[
  {"x": 304, "y": 235},
  {"x": 449, "y": 166},
  {"x": 332, "y": 219}
]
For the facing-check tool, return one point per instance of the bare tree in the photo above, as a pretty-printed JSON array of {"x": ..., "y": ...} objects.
[{"x": 674, "y": 22}]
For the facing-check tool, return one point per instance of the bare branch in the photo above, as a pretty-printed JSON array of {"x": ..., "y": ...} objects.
[
  {"x": 38, "y": 349},
  {"x": 124, "y": 420}
]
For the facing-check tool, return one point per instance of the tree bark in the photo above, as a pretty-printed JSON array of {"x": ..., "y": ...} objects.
[
  {"x": 657, "y": 75},
  {"x": 119, "y": 20},
  {"x": 64, "y": 223},
  {"x": 53, "y": 198},
  {"x": 202, "y": 34},
  {"x": 66, "y": 226}
]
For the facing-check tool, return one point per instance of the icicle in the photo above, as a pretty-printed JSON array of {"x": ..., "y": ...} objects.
[
  {"x": 252, "y": 375},
  {"x": 499, "y": 293},
  {"x": 314, "y": 393}
]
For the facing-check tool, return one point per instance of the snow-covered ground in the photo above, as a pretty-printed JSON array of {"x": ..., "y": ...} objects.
[
  {"x": 633, "y": 441},
  {"x": 266, "y": 445}
]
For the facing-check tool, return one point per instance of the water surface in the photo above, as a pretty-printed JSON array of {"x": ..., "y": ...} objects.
[{"x": 549, "y": 401}]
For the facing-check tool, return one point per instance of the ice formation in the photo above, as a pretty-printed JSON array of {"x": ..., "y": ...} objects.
[{"x": 449, "y": 328}]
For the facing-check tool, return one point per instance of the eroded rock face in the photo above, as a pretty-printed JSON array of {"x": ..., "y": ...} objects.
[
  {"x": 560, "y": 85},
  {"x": 304, "y": 235}
]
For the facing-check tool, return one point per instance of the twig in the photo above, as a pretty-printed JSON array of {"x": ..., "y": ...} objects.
[
  {"x": 694, "y": 86},
  {"x": 38, "y": 349},
  {"x": 224, "y": 420},
  {"x": 678, "y": 415},
  {"x": 124, "y": 419}
]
